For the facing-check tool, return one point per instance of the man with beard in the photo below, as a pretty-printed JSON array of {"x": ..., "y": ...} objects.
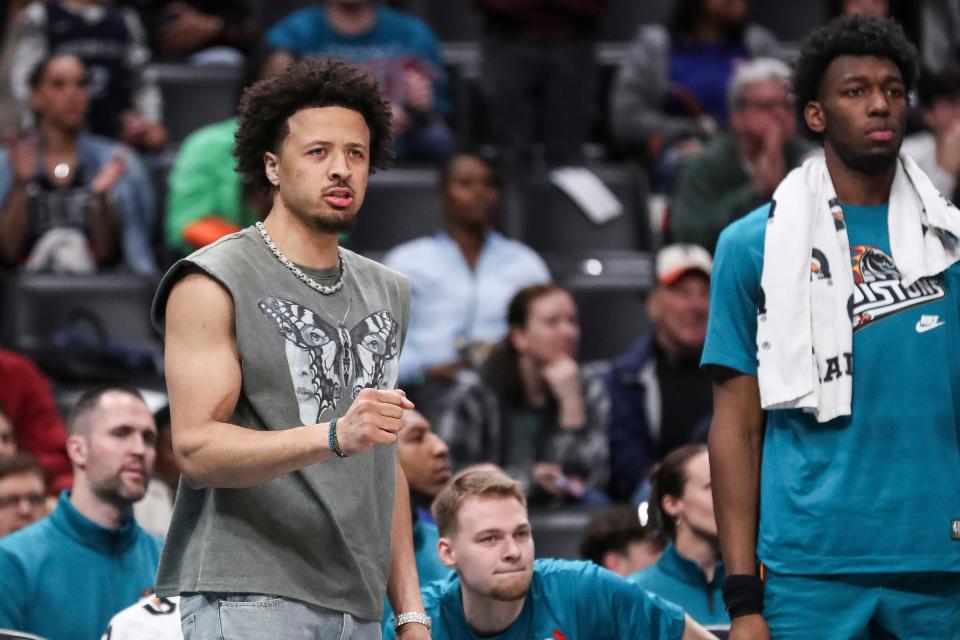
[
  {"x": 64, "y": 576},
  {"x": 499, "y": 589},
  {"x": 281, "y": 362},
  {"x": 850, "y": 522}
]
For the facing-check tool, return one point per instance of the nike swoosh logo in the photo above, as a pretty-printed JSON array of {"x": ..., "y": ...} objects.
[{"x": 923, "y": 328}]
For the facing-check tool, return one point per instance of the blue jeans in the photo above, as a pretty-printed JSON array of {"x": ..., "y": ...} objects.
[{"x": 248, "y": 616}]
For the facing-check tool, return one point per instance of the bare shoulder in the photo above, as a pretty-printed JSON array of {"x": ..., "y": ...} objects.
[{"x": 199, "y": 297}]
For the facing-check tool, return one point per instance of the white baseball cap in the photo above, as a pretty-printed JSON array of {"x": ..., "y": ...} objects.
[{"x": 677, "y": 259}]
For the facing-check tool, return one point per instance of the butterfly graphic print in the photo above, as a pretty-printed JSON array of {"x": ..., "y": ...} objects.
[{"x": 327, "y": 361}]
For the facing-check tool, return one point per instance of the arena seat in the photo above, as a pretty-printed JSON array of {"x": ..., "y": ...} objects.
[
  {"x": 401, "y": 204},
  {"x": 194, "y": 96},
  {"x": 558, "y": 533},
  {"x": 609, "y": 287},
  {"x": 451, "y": 20},
  {"x": 548, "y": 220},
  {"x": 95, "y": 326},
  {"x": 622, "y": 18}
]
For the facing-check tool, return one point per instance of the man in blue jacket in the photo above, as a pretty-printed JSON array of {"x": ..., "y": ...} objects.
[
  {"x": 660, "y": 399},
  {"x": 63, "y": 577}
]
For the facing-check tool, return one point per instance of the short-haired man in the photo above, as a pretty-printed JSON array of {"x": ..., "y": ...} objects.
[
  {"x": 23, "y": 491},
  {"x": 501, "y": 591},
  {"x": 281, "y": 360},
  {"x": 660, "y": 398},
  {"x": 64, "y": 576},
  {"x": 616, "y": 540},
  {"x": 740, "y": 169},
  {"x": 832, "y": 340}
]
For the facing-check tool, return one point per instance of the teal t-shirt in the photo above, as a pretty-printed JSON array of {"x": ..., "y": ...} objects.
[
  {"x": 682, "y": 582},
  {"x": 567, "y": 600},
  {"x": 879, "y": 490}
]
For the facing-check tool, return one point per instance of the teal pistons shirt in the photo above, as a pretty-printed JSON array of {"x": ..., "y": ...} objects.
[
  {"x": 879, "y": 490},
  {"x": 567, "y": 601}
]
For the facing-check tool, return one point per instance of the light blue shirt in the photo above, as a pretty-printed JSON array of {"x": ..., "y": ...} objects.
[
  {"x": 877, "y": 491},
  {"x": 453, "y": 305}
]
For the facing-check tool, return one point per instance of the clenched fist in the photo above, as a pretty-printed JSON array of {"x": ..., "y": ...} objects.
[{"x": 373, "y": 418}]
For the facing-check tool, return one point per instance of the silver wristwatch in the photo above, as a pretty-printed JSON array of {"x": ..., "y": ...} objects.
[{"x": 411, "y": 616}]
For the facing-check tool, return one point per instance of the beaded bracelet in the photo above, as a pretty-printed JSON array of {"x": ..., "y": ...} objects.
[{"x": 332, "y": 440}]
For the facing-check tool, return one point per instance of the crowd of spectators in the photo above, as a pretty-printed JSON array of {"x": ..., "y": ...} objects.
[{"x": 701, "y": 103}]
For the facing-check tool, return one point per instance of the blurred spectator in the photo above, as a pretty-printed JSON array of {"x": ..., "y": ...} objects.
[
  {"x": 216, "y": 31},
  {"x": 89, "y": 553},
  {"x": 671, "y": 93},
  {"x": 72, "y": 201},
  {"x": 616, "y": 540},
  {"x": 23, "y": 491},
  {"x": 659, "y": 396},
  {"x": 739, "y": 170},
  {"x": 876, "y": 8},
  {"x": 8, "y": 437},
  {"x": 463, "y": 278},
  {"x": 26, "y": 400},
  {"x": 937, "y": 151},
  {"x": 205, "y": 196},
  {"x": 500, "y": 590},
  {"x": 539, "y": 72},
  {"x": 534, "y": 410},
  {"x": 939, "y": 27},
  {"x": 424, "y": 459},
  {"x": 399, "y": 49},
  {"x": 149, "y": 618},
  {"x": 689, "y": 573},
  {"x": 125, "y": 102},
  {"x": 154, "y": 511},
  {"x": 9, "y": 113}
]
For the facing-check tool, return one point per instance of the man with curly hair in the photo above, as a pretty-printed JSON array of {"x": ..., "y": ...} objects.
[
  {"x": 282, "y": 356},
  {"x": 832, "y": 341}
]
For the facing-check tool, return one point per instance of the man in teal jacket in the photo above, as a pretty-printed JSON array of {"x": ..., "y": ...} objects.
[
  {"x": 500, "y": 591},
  {"x": 63, "y": 577}
]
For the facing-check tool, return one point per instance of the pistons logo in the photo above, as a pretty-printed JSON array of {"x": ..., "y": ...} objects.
[{"x": 877, "y": 290}]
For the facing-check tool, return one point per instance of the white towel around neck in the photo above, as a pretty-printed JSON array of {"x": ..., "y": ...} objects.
[{"x": 804, "y": 320}]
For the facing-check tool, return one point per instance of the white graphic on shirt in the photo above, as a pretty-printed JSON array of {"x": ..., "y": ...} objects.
[
  {"x": 325, "y": 360},
  {"x": 929, "y": 322},
  {"x": 877, "y": 290}
]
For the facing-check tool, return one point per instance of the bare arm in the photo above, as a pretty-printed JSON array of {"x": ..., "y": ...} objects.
[
  {"x": 13, "y": 223},
  {"x": 735, "y": 443},
  {"x": 204, "y": 380},
  {"x": 693, "y": 631},
  {"x": 403, "y": 583}
]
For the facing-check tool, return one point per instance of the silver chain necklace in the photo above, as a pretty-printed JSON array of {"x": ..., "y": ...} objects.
[{"x": 304, "y": 278}]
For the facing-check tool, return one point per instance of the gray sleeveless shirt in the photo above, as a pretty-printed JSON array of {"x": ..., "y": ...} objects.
[{"x": 321, "y": 534}]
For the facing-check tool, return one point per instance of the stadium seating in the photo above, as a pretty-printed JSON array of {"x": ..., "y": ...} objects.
[
  {"x": 609, "y": 288},
  {"x": 82, "y": 327},
  {"x": 558, "y": 533},
  {"x": 400, "y": 205},
  {"x": 194, "y": 96},
  {"x": 551, "y": 222}
]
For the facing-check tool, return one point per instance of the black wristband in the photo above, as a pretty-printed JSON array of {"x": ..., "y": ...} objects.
[{"x": 743, "y": 595}]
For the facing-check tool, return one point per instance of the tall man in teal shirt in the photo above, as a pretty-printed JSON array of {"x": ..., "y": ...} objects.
[
  {"x": 500, "y": 591},
  {"x": 852, "y": 522}
]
